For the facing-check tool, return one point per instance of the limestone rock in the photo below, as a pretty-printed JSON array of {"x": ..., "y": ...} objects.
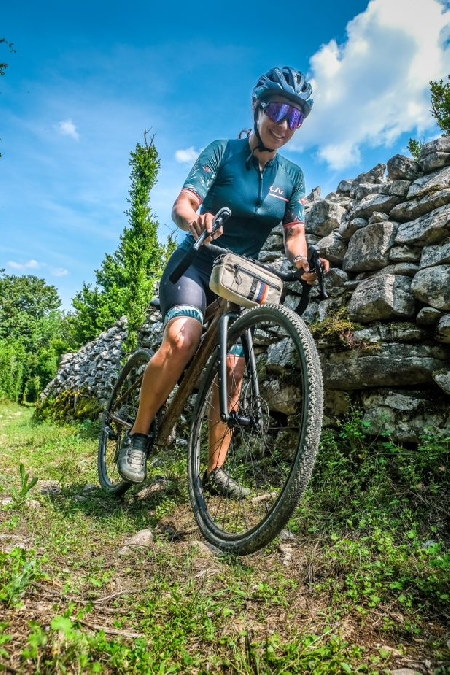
[
  {"x": 443, "y": 329},
  {"x": 442, "y": 378},
  {"x": 400, "y": 167},
  {"x": 372, "y": 203},
  {"x": 323, "y": 217},
  {"x": 375, "y": 175},
  {"x": 368, "y": 249},
  {"x": 332, "y": 247},
  {"x": 432, "y": 286},
  {"x": 398, "y": 254},
  {"x": 429, "y": 229},
  {"x": 428, "y": 316},
  {"x": 393, "y": 365},
  {"x": 435, "y": 154},
  {"x": 380, "y": 298},
  {"x": 348, "y": 227},
  {"x": 436, "y": 254}
]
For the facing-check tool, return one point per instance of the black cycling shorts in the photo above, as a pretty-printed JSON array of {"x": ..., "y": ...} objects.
[{"x": 191, "y": 294}]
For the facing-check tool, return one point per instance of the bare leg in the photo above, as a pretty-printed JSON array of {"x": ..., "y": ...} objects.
[
  {"x": 219, "y": 432},
  {"x": 180, "y": 341}
]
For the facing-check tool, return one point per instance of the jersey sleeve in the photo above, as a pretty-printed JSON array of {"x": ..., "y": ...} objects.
[
  {"x": 204, "y": 172},
  {"x": 295, "y": 209}
]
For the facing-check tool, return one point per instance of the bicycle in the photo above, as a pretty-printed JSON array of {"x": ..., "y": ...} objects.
[{"x": 273, "y": 426}]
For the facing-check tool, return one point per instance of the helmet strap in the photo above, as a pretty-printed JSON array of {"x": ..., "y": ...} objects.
[{"x": 261, "y": 147}]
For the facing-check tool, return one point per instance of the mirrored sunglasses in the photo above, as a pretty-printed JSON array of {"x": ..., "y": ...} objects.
[{"x": 278, "y": 112}]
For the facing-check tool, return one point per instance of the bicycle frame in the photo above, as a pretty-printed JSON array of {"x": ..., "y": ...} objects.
[
  {"x": 219, "y": 322},
  {"x": 269, "y": 445},
  {"x": 216, "y": 332}
]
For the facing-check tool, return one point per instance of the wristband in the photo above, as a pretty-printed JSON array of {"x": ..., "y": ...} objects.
[{"x": 299, "y": 258}]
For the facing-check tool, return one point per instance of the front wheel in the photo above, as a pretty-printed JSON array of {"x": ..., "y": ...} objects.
[
  {"x": 119, "y": 418},
  {"x": 269, "y": 445}
]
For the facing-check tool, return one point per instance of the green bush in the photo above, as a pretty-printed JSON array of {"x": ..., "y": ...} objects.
[{"x": 12, "y": 367}]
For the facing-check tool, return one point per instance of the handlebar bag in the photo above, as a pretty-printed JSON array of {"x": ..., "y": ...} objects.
[{"x": 244, "y": 281}]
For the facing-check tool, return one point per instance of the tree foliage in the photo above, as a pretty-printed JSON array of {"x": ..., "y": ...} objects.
[
  {"x": 33, "y": 335},
  {"x": 440, "y": 104},
  {"x": 415, "y": 148},
  {"x": 24, "y": 300},
  {"x": 440, "y": 109},
  {"x": 126, "y": 280}
]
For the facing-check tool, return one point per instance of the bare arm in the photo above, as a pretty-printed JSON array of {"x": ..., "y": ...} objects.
[
  {"x": 295, "y": 245},
  {"x": 296, "y": 250},
  {"x": 184, "y": 210},
  {"x": 185, "y": 216}
]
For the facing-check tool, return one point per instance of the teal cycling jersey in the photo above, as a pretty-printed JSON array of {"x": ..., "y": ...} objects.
[{"x": 227, "y": 174}]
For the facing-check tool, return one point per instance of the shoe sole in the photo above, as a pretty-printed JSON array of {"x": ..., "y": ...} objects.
[{"x": 129, "y": 479}]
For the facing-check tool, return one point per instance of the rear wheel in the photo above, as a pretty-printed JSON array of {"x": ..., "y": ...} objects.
[
  {"x": 119, "y": 418},
  {"x": 273, "y": 432}
]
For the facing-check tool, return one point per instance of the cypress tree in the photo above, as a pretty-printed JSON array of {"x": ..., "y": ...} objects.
[{"x": 125, "y": 282}]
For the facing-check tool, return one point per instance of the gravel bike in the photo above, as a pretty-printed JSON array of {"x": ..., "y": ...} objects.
[{"x": 271, "y": 416}]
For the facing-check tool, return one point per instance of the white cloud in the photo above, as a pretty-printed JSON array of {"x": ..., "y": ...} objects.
[
  {"x": 187, "y": 156},
  {"x": 23, "y": 267},
  {"x": 34, "y": 265},
  {"x": 68, "y": 128},
  {"x": 58, "y": 271},
  {"x": 375, "y": 86}
]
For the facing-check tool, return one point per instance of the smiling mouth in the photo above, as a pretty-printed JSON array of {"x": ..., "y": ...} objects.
[{"x": 276, "y": 136}]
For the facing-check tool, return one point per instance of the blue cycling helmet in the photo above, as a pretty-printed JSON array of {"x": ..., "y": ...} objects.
[{"x": 287, "y": 82}]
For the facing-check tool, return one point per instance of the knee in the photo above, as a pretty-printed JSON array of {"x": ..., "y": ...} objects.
[{"x": 182, "y": 338}]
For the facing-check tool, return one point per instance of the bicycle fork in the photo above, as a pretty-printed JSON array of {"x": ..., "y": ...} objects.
[{"x": 237, "y": 418}]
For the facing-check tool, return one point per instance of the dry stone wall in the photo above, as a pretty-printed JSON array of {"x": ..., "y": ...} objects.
[
  {"x": 93, "y": 371},
  {"x": 387, "y": 236}
]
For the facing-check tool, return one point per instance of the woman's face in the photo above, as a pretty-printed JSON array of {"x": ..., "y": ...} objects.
[{"x": 275, "y": 134}]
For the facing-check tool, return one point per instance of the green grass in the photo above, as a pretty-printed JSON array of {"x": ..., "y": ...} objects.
[{"x": 363, "y": 587}]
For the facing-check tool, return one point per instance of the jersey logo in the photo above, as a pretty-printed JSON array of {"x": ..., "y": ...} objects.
[{"x": 277, "y": 193}]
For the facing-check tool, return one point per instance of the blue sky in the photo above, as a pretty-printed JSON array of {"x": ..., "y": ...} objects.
[{"x": 88, "y": 78}]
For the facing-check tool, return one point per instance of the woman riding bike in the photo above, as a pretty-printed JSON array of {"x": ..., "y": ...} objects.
[{"x": 262, "y": 189}]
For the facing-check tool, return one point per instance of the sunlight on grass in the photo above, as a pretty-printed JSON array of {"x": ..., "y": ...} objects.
[{"x": 358, "y": 580}]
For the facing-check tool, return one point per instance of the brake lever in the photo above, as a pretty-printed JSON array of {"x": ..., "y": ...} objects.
[
  {"x": 222, "y": 215},
  {"x": 315, "y": 266}
]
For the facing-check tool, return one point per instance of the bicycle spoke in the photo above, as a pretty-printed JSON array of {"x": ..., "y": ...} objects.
[
  {"x": 119, "y": 419},
  {"x": 272, "y": 433}
]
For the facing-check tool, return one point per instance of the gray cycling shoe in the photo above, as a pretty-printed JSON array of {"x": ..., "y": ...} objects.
[
  {"x": 219, "y": 482},
  {"x": 132, "y": 460}
]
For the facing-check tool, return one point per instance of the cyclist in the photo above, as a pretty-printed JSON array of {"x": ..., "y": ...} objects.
[{"x": 262, "y": 189}]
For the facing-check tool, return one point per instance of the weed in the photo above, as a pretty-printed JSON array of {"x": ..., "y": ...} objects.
[
  {"x": 4, "y": 639},
  {"x": 369, "y": 565},
  {"x": 19, "y": 497},
  {"x": 337, "y": 330},
  {"x": 381, "y": 510},
  {"x": 311, "y": 654},
  {"x": 18, "y": 570}
]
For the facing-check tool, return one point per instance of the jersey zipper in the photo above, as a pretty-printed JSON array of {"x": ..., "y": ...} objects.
[
  {"x": 261, "y": 173},
  {"x": 260, "y": 188}
]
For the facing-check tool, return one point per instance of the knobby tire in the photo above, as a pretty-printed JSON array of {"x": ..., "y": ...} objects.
[
  {"x": 273, "y": 453},
  {"x": 118, "y": 419}
]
